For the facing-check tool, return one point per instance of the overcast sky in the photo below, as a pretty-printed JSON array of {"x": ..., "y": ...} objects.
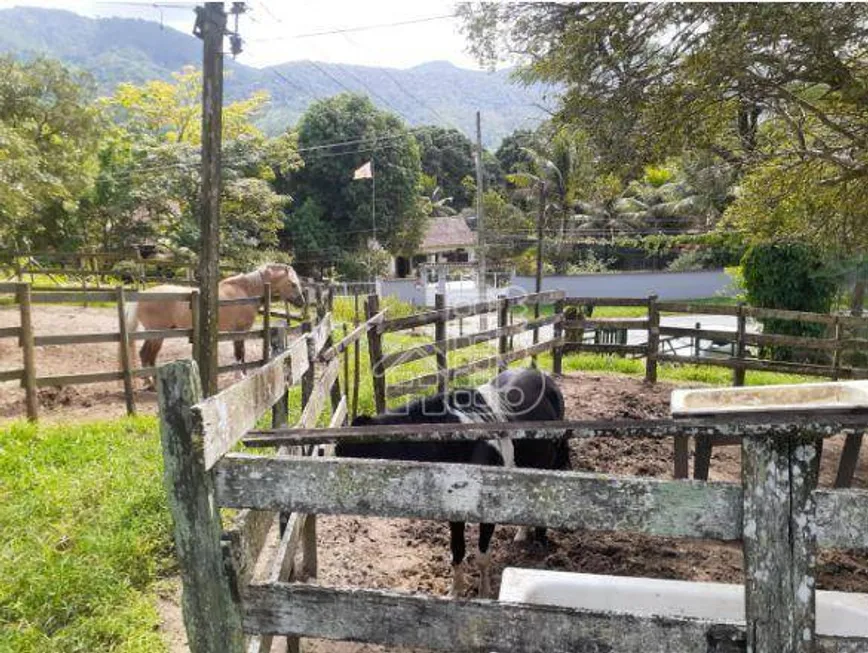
[{"x": 276, "y": 31}]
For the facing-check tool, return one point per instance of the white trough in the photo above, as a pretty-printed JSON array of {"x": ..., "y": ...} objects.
[
  {"x": 841, "y": 614},
  {"x": 820, "y": 397}
]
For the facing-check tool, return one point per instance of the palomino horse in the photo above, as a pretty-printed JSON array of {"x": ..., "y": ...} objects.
[
  {"x": 513, "y": 396},
  {"x": 176, "y": 314}
]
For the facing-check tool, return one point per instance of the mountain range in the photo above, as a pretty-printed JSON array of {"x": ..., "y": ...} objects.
[{"x": 115, "y": 50}]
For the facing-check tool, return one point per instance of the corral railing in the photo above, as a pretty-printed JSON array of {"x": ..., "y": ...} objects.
[
  {"x": 778, "y": 513},
  {"x": 665, "y": 344},
  {"x": 198, "y": 433},
  {"x": 843, "y": 335},
  {"x": 442, "y": 318},
  {"x": 27, "y": 298}
]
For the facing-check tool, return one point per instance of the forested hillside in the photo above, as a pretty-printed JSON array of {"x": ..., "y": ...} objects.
[{"x": 118, "y": 50}]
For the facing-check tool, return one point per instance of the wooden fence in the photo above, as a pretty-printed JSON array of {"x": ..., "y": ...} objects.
[
  {"x": 442, "y": 344},
  {"x": 97, "y": 267},
  {"x": 845, "y": 334},
  {"x": 197, "y": 434},
  {"x": 26, "y": 297},
  {"x": 780, "y": 515}
]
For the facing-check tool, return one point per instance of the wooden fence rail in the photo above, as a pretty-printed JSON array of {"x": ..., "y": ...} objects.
[
  {"x": 777, "y": 511},
  {"x": 26, "y": 297}
]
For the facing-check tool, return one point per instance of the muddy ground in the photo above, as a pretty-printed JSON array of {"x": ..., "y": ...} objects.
[{"x": 413, "y": 555}]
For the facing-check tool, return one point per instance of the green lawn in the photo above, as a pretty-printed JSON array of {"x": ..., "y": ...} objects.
[{"x": 85, "y": 537}]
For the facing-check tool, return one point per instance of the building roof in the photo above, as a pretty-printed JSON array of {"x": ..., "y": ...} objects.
[{"x": 445, "y": 234}]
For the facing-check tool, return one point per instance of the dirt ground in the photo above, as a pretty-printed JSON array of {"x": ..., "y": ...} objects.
[
  {"x": 86, "y": 401},
  {"x": 413, "y": 555}
]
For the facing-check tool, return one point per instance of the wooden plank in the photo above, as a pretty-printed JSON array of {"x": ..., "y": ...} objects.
[
  {"x": 321, "y": 332},
  {"x": 353, "y": 336},
  {"x": 10, "y": 332},
  {"x": 211, "y": 617},
  {"x": 319, "y": 393},
  {"x": 849, "y": 460},
  {"x": 606, "y": 301},
  {"x": 778, "y": 477},
  {"x": 74, "y": 296},
  {"x": 427, "y": 380},
  {"x": 777, "y": 424},
  {"x": 77, "y": 379},
  {"x": 11, "y": 375},
  {"x": 769, "y": 366},
  {"x": 241, "y": 301},
  {"x": 28, "y": 380},
  {"x": 706, "y": 334},
  {"x": 738, "y": 372},
  {"x": 652, "y": 352},
  {"x": 375, "y": 352},
  {"x": 243, "y": 542},
  {"x": 240, "y": 367},
  {"x": 779, "y": 314},
  {"x": 432, "y": 623},
  {"x": 154, "y": 334},
  {"x": 441, "y": 353},
  {"x": 340, "y": 414},
  {"x": 75, "y": 339},
  {"x": 701, "y": 309},
  {"x": 455, "y": 312},
  {"x": 637, "y": 350},
  {"x": 610, "y": 323},
  {"x": 125, "y": 353},
  {"x": 480, "y": 494},
  {"x": 823, "y": 344},
  {"x": 460, "y": 342},
  {"x": 252, "y": 334},
  {"x": 533, "y": 299},
  {"x": 228, "y": 415}
]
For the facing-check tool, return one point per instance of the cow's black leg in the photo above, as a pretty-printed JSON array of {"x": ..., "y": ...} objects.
[
  {"x": 456, "y": 544},
  {"x": 484, "y": 560}
]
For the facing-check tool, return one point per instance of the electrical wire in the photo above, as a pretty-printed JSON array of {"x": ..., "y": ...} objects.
[{"x": 359, "y": 28}]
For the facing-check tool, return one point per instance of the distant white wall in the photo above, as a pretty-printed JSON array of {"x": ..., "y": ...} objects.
[
  {"x": 406, "y": 290},
  {"x": 666, "y": 285}
]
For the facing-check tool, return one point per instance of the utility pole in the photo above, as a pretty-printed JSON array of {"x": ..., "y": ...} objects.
[
  {"x": 480, "y": 224},
  {"x": 539, "y": 259},
  {"x": 210, "y": 27}
]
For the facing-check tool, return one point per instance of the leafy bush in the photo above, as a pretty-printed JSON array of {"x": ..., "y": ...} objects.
[{"x": 792, "y": 276}]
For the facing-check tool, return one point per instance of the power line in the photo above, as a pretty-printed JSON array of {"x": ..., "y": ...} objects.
[{"x": 359, "y": 28}]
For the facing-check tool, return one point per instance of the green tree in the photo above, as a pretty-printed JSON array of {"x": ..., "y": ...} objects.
[
  {"x": 48, "y": 134},
  {"x": 447, "y": 156},
  {"x": 369, "y": 134}
]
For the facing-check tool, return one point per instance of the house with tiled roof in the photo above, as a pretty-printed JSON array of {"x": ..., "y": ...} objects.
[{"x": 446, "y": 240}]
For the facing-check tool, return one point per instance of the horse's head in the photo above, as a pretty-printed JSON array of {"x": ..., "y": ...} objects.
[{"x": 284, "y": 281}]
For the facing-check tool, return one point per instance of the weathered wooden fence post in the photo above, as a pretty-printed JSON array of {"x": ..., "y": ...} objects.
[
  {"x": 126, "y": 363},
  {"x": 280, "y": 410},
  {"x": 211, "y": 617},
  {"x": 375, "y": 349},
  {"x": 779, "y": 474},
  {"x": 697, "y": 341},
  {"x": 356, "y": 360},
  {"x": 502, "y": 323},
  {"x": 836, "y": 352},
  {"x": 266, "y": 323},
  {"x": 653, "y": 340},
  {"x": 558, "y": 334},
  {"x": 28, "y": 381},
  {"x": 440, "y": 338},
  {"x": 194, "y": 320},
  {"x": 740, "y": 329},
  {"x": 308, "y": 536}
]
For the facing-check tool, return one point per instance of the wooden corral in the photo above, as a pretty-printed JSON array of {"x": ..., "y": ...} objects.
[
  {"x": 27, "y": 298},
  {"x": 777, "y": 512}
]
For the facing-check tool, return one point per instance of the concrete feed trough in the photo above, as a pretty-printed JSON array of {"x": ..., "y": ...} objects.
[
  {"x": 841, "y": 614},
  {"x": 822, "y": 397}
]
